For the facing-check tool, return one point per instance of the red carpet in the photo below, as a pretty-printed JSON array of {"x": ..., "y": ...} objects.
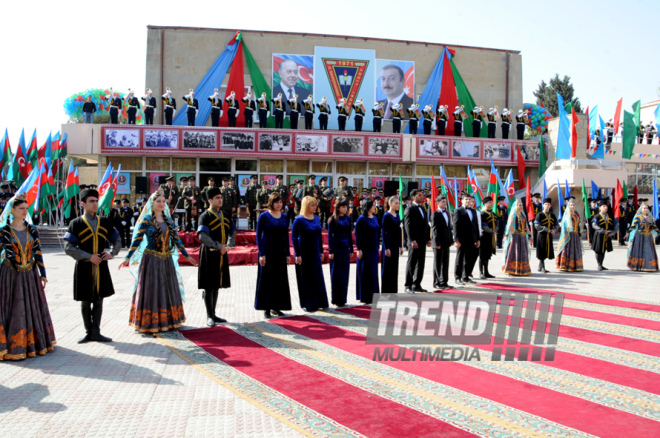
[{"x": 316, "y": 374}]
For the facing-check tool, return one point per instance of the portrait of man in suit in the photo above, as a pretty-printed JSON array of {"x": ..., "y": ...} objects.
[
  {"x": 289, "y": 74},
  {"x": 392, "y": 84}
]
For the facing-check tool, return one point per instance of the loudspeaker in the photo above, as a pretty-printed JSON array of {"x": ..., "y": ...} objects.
[
  {"x": 161, "y": 179},
  {"x": 412, "y": 185},
  {"x": 390, "y": 188},
  {"x": 142, "y": 184}
]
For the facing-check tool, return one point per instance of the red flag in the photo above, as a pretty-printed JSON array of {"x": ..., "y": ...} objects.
[
  {"x": 617, "y": 116},
  {"x": 448, "y": 96},
  {"x": 434, "y": 194},
  {"x": 236, "y": 84},
  {"x": 635, "y": 197},
  {"x": 588, "y": 133},
  {"x": 618, "y": 193},
  {"x": 574, "y": 123},
  {"x": 521, "y": 169},
  {"x": 528, "y": 201}
]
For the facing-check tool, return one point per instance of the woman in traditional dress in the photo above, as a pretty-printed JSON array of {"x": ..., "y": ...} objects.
[
  {"x": 153, "y": 259},
  {"x": 569, "y": 257},
  {"x": 641, "y": 243},
  {"x": 340, "y": 247},
  {"x": 26, "y": 329},
  {"x": 308, "y": 247},
  {"x": 516, "y": 242},
  {"x": 392, "y": 247},
  {"x": 273, "y": 293},
  {"x": 367, "y": 232}
]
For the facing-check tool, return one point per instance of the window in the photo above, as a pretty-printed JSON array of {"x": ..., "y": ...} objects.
[
  {"x": 351, "y": 168},
  {"x": 379, "y": 169},
  {"x": 425, "y": 169},
  {"x": 127, "y": 163},
  {"x": 402, "y": 169},
  {"x": 455, "y": 171},
  {"x": 184, "y": 164},
  {"x": 215, "y": 164},
  {"x": 155, "y": 163},
  {"x": 296, "y": 167},
  {"x": 271, "y": 166},
  {"x": 322, "y": 166},
  {"x": 246, "y": 165}
]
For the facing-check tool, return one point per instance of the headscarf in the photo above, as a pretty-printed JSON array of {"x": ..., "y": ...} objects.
[
  {"x": 566, "y": 229},
  {"x": 637, "y": 226},
  {"x": 510, "y": 229},
  {"x": 136, "y": 258},
  {"x": 7, "y": 218}
]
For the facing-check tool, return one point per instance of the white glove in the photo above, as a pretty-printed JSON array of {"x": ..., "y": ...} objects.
[{"x": 123, "y": 223}]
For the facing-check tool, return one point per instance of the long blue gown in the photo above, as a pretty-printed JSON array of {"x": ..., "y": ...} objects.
[
  {"x": 367, "y": 231},
  {"x": 308, "y": 244},
  {"x": 390, "y": 265},
  {"x": 272, "y": 280},
  {"x": 340, "y": 243}
]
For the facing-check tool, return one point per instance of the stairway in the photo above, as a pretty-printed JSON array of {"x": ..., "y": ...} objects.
[{"x": 51, "y": 236}]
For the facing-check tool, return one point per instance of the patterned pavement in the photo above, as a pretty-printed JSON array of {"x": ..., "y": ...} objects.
[{"x": 135, "y": 386}]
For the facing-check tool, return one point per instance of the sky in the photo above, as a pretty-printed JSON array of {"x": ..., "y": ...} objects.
[{"x": 51, "y": 50}]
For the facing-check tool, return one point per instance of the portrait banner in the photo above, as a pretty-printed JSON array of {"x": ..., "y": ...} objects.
[
  {"x": 395, "y": 83},
  {"x": 293, "y": 75}
]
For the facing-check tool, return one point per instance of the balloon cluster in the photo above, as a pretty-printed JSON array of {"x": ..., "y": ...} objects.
[
  {"x": 538, "y": 117},
  {"x": 73, "y": 104}
]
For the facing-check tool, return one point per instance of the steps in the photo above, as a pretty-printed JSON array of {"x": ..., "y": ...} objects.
[{"x": 51, "y": 236}]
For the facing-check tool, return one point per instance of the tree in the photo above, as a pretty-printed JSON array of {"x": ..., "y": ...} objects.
[{"x": 546, "y": 95}]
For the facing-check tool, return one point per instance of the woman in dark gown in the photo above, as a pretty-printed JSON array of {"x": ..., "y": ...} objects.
[
  {"x": 516, "y": 242},
  {"x": 273, "y": 292},
  {"x": 641, "y": 245},
  {"x": 340, "y": 247},
  {"x": 26, "y": 329},
  {"x": 308, "y": 248},
  {"x": 367, "y": 232},
  {"x": 392, "y": 248}
]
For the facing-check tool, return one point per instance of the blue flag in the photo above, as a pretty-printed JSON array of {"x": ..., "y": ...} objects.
[
  {"x": 561, "y": 199},
  {"x": 657, "y": 123},
  {"x": 567, "y": 190},
  {"x": 545, "y": 190},
  {"x": 656, "y": 210},
  {"x": 563, "y": 139},
  {"x": 595, "y": 191}
]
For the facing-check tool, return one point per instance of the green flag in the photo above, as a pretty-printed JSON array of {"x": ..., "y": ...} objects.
[
  {"x": 629, "y": 135},
  {"x": 465, "y": 98},
  {"x": 400, "y": 198},
  {"x": 637, "y": 107},
  {"x": 443, "y": 188},
  {"x": 587, "y": 210},
  {"x": 569, "y": 107},
  {"x": 542, "y": 157},
  {"x": 625, "y": 190}
]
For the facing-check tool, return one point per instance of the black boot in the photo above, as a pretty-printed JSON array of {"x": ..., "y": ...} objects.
[
  {"x": 267, "y": 314},
  {"x": 97, "y": 311},
  {"x": 482, "y": 274},
  {"x": 486, "y": 270},
  {"x": 210, "y": 308},
  {"x": 542, "y": 266},
  {"x": 86, "y": 309},
  {"x": 600, "y": 262},
  {"x": 215, "y": 302}
]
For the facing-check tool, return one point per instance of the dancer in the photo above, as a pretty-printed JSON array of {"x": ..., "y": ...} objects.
[
  {"x": 308, "y": 247},
  {"x": 442, "y": 241},
  {"x": 641, "y": 247},
  {"x": 605, "y": 227},
  {"x": 86, "y": 241},
  {"x": 367, "y": 232},
  {"x": 26, "y": 329},
  {"x": 488, "y": 237},
  {"x": 216, "y": 232},
  {"x": 569, "y": 252},
  {"x": 340, "y": 247},
  {"x": 158, "y": 294},
  {"x": 416, "y": 224},
  {"x": 546, "y": 226},
  {"x": 516, "y": 242},
  {"x": 273, "y": 294}
]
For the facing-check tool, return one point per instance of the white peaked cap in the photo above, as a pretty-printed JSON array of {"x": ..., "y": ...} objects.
[
  {"x": 443, "y": 107},
  {"x": 457, "y": 107},
  {"x": 476, "y": 108},
  {"x": 520, "y": 111},
  {"x": 490, "y": 109}
]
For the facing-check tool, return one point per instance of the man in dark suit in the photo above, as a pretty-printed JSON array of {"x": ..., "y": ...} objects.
[
  {"x": 392, "y": 82},
  {"x": 288, "y": 79},
  {"x": 416, "y": 224},
  {"x": 466, "y": 239},
  {"x": 442, "y": 239}
]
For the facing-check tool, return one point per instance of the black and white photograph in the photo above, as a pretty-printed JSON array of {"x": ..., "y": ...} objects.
[
  {"x": 529, "y": 151},
  {"x": 122, "y": 138},
  {"x": 347, "y": 145},
  {"x": 312, "y": 143},
  {"x": 161, "y": 139},
  {"x": 465, "y": 149},
  {"x": 199, "y": 140},
  {"x": 384, "y": 146},
  {"x": 275, "y": 142},
  {"x": 433, "y": 148},
  {"x": 237, "y": 141},
  {"x": 497, "y": 151}
]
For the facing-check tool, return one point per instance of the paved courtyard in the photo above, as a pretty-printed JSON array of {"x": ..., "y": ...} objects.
[{"x": 135, "y": 386}]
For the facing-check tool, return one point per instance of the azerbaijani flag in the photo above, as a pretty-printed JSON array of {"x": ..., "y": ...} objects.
[
  {"x": 45, "y": 151},
  {"x": 400, "y": 198},
  {"x": 493, "y": 182},
  {"x": 21, "y": 159},
  {"x": 509, "y": 190},
  {"x": 476, "y": 187},
  {"x": 71, "y": 190},
  {"x": 109, "y": 186},
  {"x": 5, "y": 159},
  {"x": 444, "y": 182},
  {"x": 32, "y": 156},
  {"x": 434, "y": 194},
  {"x": 587, "y": 210},
  {"x": 560, "y": 197}
]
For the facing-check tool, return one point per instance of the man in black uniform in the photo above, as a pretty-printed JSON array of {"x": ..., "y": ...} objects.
[
  {"x": 171, "y": 191},
  {"x": 137, "y": 208},
  {"x": 115, "y": 107},
  {"x": 477, "y": 120},
  {"x": 413, "y": 122},
  {"x": 149, "y": 107},
  {"x": 506, "y": 123},
  {"x": 298, "y": 196},
  {"x": 520, "y": 124},
  {"x": 235, "y": 198},
  {"x": 114, "y": 216},
  {"x": 125, "y": 214},
  {"x": 458, "y": 121},
  {"x": 416, "y": 223},
  {"x": 133, "y": 107},
  {"x": 443, "y": 239},
  {"x": 193, "y": 107},
  {"x": 623, "y": 222},
  {"x": 324, "y": 114},
  {"x": 609, "y": 129},
  {"x": 311, "y": 189},
  {"x": 251, "y": 201},
  {"x": 593, "y": 207},
  {"x": 441, "y": 119},
  {"x": 227, "y": 198},
  {"x": 344, "y": 190},
  {"x": 86, "y": 241},
  {"x": 264, "y": 108},
  {"x": 502, "y": 217},
  {"x": 360, "y": 112},
  {"x": 216, "y": 233},
  {"x": 278, "y": 111},
  {"x": 216, "y": 107},
  {"x": 466, "y": 239},
  {"x": 281, "y": 189},
  {"x": 294, "y": 114},
  {"x": 191, "y": 199},
  {"x": 397, "y": 116},
  {"x": 605, "y": 227},
  {"x": 537, "y": 207},
  {"x": 378, "y": 114},
  {"x": 546, "y": 226},
  {"x": 232, "y": 109},
  {"x": 250, "y": 108},
  {"x": 169, "y": 106},
  {"x": 342, "y": 114},
  {"x": 308, "y": 104},
  {"x": 204, "y": 194},
  {"x": 262, "y": 197},
  {"x": 492, "y": 126},
  {"x": 427, "y": 113},
  {"x": 324, "y": 202},
  {"x": 488, "y": 237}
]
